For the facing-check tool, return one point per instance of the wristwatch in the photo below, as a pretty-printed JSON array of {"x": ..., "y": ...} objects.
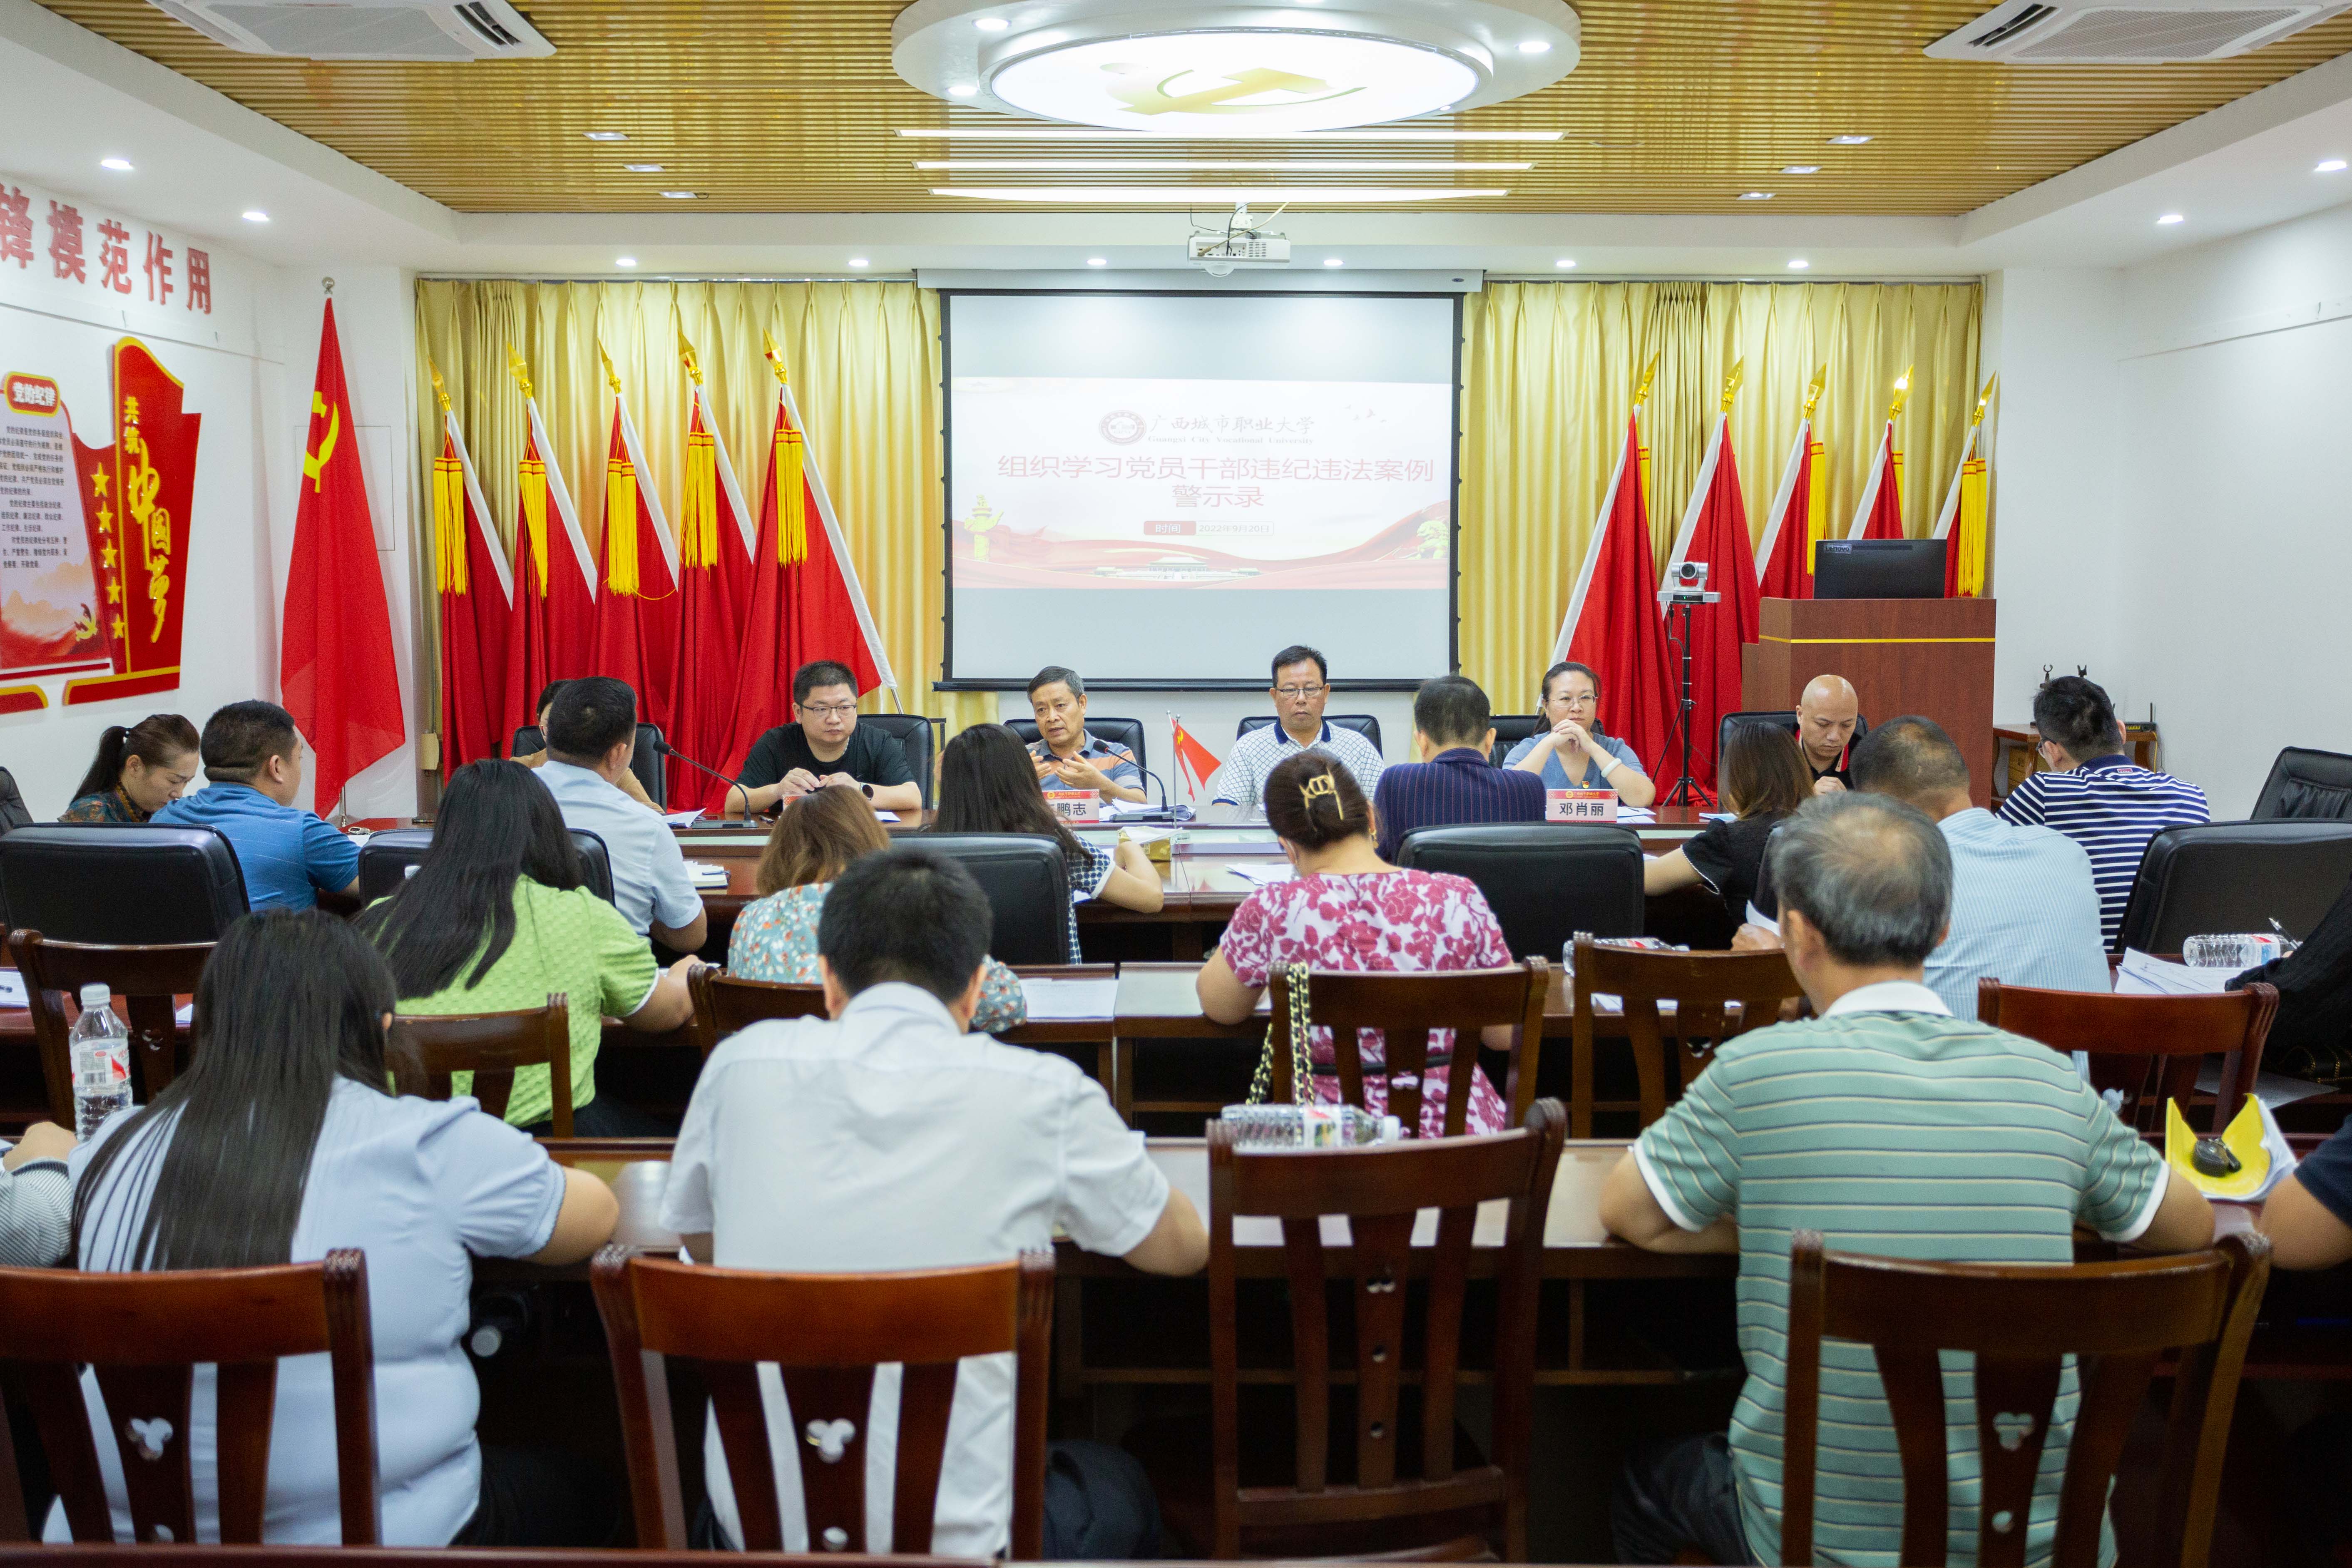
[{"x": 868, "y": 789}]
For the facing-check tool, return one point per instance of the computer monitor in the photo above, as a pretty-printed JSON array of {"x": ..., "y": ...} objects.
[{"x": 1878, "y": 569}]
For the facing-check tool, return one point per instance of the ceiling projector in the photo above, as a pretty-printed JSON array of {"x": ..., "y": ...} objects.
[{"x": 1218, "y": 249}]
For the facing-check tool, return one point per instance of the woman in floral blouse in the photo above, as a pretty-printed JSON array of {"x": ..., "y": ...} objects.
[
  {"x": 138, "y": 771},
  {"x": 1346, "y": 908},
  {"x": 812, "y": 842}
]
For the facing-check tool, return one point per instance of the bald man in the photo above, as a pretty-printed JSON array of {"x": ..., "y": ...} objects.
[{"x": 1825, "y": 720}]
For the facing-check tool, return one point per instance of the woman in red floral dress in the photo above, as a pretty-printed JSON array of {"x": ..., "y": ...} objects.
[{"x": 1346, "y": 908}]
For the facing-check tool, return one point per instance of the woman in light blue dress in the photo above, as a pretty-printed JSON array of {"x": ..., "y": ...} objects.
[{"x": 1573, "y": 753}]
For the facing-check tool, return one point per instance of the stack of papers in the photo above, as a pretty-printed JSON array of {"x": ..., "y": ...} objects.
[
  {"x": 2140, "y": 975},
  {"x": 12, "y": 990},
  {"x": 706, "y": 875},
  {"x": 681, "y": 819},
  {"x": 1051, "y": 999},
  {"x": 1636, "y": 814}
]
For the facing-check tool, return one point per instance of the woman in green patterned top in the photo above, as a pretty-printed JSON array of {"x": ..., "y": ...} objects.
[
  {"x": 497, "y": 918},
  {"x": 812, "y": 842},
  {"x": 138, "y": 772}
]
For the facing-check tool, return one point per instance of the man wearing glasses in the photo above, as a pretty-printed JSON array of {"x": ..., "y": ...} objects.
[
  {"x": 1302, "y": 684},
  {"x": 826, "y": 747}
]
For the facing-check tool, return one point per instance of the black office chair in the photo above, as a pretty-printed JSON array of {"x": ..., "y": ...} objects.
[
  {"x": 1128, "y": 733},
  {"x": 1544, "y": 881},
  {"x": 913, "y": 732},
  {"x": 1780, "y": 718},
  {"x": 1363, "y": 724},
  {"x": 2225, "y": 877},
  {"x": 646, "y": 762},
  {"x": 2305, "y": 784},
  {"x": 1510, "y": 729},
  {"x": 1028, "y": 888},
  {"x": 120, "y": 885},
  {"x": 389, "y": 858}
]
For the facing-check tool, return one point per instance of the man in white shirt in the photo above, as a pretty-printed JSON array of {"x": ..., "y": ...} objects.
[
  {"x": 592, "y": 732},
  {"x": 1302, "y": 685},
  {"x": 888, "y": 1138}
]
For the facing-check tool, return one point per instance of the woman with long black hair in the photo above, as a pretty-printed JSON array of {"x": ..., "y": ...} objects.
[
  {"x": 140, "y": 769},
  {"x": 988, "y": 784},
  {"x": 279, "y": 1142},
  {"x": 496, "y": 918}
]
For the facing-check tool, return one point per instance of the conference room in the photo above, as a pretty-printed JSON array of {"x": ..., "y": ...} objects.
[{"x": 1504, "y": 780}]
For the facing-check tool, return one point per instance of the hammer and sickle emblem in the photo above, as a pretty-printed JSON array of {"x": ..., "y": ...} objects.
[
  {"x": 314, "y": 462},
  {"x": 1153, "y": 98}
]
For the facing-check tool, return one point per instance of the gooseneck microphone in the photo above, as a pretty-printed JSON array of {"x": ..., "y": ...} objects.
[{"x": 664, "y": 748}]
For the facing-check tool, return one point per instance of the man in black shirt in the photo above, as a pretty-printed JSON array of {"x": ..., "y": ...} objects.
[
  {"x": 826, "y": 747},
  {"x": 1826, "y": 716}
]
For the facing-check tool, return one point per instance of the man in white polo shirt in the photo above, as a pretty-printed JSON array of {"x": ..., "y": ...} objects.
[
  {"x": 888, "y": 1138},
  {"x": 1302, "y": 685},
  {"x": 592, "y": 732}
]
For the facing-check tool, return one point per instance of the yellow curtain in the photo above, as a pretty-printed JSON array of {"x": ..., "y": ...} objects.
[
  {"x": 1549, "y": 371},
  {"x": 864, "y": 361}
]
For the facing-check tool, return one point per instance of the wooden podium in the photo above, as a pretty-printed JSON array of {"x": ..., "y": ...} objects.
[{"x": 1928, "y": 657}]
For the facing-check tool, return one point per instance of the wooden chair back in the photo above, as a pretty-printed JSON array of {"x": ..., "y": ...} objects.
[
  {"x": 1405, "y": 1008},
  {"x": 725, "y": 1004},
  {"x": 424, "y": 1050},
  {"x": 2151, "y": 1047},
  {"x": 150, "y": 979},
  {"x": 144, "y": 1335},
  {"x": 2021, "y": 1321},
  {"x": 826, "y": 1333},
  {"x": 1701, "y": 986},
  {"x": 1382, "y": 1191}
]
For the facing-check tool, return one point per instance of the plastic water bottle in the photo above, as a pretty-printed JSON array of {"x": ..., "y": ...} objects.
[{"x": 100, "y": 1049}]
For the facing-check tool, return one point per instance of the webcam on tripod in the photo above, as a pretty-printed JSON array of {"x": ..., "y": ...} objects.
[{"x": 1686, "y": 584}]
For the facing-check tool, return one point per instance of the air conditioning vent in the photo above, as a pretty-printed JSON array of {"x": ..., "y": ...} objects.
[
  {"x": 2152, "y": 32},
  {"x": 364, "y": 29}
]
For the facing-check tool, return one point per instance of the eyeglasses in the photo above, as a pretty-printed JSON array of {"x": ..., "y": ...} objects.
[
  {"x": 1293, "y": 693},
  {"x": 828, "y": 710},
  {"x": 1577, "y": 699}
]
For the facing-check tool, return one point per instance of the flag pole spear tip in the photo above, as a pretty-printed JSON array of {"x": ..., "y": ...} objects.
[
  {"x": 519, "y": 371},
  {"x": 439, "y": 390},
  {"x": 1649, "y": 374},
  {"x": 1814, "y": 393},
  {"x": 329, "y": 285},
  {"x": 693, "y": 365},
  {"x": 1731, "y": 383},
  {"x": 611, "y": 377}
]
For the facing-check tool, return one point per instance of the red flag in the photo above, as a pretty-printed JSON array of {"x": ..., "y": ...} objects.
[
  {"x": 804, "y": 603},
  {"x": 476, "y": 594},
  {"x": 1613, "y": 622},
  {"x": 637, "y": 601},
  {"x": 1880, "y": 515},
  {"x": 716, "y": 565},
  {"x": 335, "y": 665},
  {"x": 1715, "y": 531},
  {"x": 1799, "y": 519},
  {"x": 553, "y": 633},
  {"x": 1198, "y": 762}
]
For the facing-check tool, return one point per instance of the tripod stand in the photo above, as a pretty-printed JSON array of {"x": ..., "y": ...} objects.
[{"x": 1684, "y": 790}]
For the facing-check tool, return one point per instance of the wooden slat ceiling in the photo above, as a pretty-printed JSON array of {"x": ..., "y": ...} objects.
[{"x": 760, "y": 107}]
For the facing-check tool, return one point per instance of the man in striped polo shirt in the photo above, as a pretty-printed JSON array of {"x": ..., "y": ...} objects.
[
  {"x": 1896, "y": 1130},
  {"x": 2094, "y": 795}
]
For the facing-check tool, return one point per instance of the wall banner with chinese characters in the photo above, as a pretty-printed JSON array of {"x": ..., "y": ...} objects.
[
  {"x": 136, "y": 494},
  {"x": 60, "y": 253},
  {"x": 49, "y": 600}
]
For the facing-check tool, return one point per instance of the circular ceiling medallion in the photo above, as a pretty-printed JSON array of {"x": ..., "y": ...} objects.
[
  {"x": 1225, "y": 70},
  {"x": 1217, "y": 83}
]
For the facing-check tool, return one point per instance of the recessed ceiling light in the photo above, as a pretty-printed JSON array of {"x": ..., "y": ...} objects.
[
  {"x": 642, "y": 168},
  {"x": 1798, "y": 264},
  {"x": 1380, "y": 80},
  {"x": 606, "y": 136},
  {"x": 1569, "y": 261},
  {"x": 1535, "y": 47},
  {"x": 1223, "y": 196},
  {"x": 962, "y": 89},
  {"x": 2329, "y": 166},
  {"x": 1849, "y": 141},
  {"x": 2169, "y": 219},
  {"x": 1211, "y": 165},
  {"x": 1073, "y": 133},
  {"x": 1098, "y": 261},
  {"x": 991, "y": 23},
  {"x": 1800, "y": 168},
  {"x": 679, "y": 195},
  {"x": 1333, "y": 261},
  {"x": 625, "y": 261},
  {"x": 1755, "y": 195},
  {"x": 858, "y": 261},
  {"x": 255, "y": 214},
  {"x": 119, "y": 165}
]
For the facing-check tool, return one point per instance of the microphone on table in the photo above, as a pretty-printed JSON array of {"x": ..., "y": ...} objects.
[
  {"x": 664, "y": 748},
  {"x": 1165, "y": 810}
]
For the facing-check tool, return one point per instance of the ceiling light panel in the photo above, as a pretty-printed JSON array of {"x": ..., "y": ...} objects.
[
  {"x": 1071, "y": 134},
  {"x": 1218, "y": 195},
  {"x": 1207, "y": 165}
]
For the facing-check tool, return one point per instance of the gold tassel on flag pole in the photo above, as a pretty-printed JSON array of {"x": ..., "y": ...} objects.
[
  {"x": 1969, "y": 527},
  {"x": 792, "y": 457},
  {"x": 531, "y": 482},
  {"x": 449, "y": 504},
  {"x": 1817, "y": 471},
  {"x": 697, "y": 523},
  {"x": 1895, "y": 412},
  {"x": 620, "y": 503},
  {"x": 1641, "y": 437}
]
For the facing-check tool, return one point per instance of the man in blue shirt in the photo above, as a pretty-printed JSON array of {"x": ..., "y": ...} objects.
[
  {"x": 1453, "y": 781},
  {"x": 253, "y": 759}
]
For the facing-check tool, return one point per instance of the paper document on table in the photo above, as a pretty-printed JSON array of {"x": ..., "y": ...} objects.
[
  {"x": 1762, "y": 920},
  {"x": 681, "y": 819},
  {"x": 1636, "y": 814},
  {"x": 886, "y": 817},
  {"x": 1147, "y": 835},
  {"x": 1051, "y": 999},
  {"x": 12, "y": 990},
  {"x": 2272, "y": 1088},
  {"x": 2140, "y": 975},
  {"x": 1718, "y": 817},
  {"x": 184, "y": 1016},
  {"x": 1263, "y": 875},
  {"x": 705, "y": 875}
]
